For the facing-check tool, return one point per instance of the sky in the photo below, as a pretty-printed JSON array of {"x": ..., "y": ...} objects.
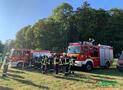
[{"x": 15, "y": 14}]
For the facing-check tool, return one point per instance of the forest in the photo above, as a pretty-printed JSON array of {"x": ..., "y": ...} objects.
[{"x": 67, "y": 25}]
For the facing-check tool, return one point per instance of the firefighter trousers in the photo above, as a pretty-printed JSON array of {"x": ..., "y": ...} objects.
[
  {"x": 43, "y": 68},
  {"x": 71, "y": 69},
  {"x": 66, "y": 69},
  {"x": 5, "y": 69},
  {"x": 57, "y": 68}
]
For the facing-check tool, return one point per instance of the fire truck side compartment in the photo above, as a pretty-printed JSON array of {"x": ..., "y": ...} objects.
[{"x": 106, "y": 54}]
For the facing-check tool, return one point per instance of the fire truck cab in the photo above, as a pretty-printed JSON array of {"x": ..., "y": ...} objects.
[
  {"x": 90, "y": 56},
  {"x": 18, "y": 57}
]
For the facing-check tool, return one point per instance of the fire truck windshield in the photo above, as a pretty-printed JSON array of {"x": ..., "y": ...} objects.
[
  {"x": 73, "y": 49},
  {"x": 16, "y": 53}
]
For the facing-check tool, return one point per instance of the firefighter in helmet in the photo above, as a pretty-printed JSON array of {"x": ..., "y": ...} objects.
[
  {"x": 47, "y": 63},
  {"x": 56, "y": 63},
  {"x": 44, "y": 64},
  {"x": 72, "y": 61},
  {"x": 66, "y": 64},
  {"x": 51, "y": 58},
  {"x": 64, "y": 57},
  {"x": 36, "y": 62},
  {"x": 5, "y": 65},
  {"x": 60, "y": 65},
  {"x": 40, "y": 59}
]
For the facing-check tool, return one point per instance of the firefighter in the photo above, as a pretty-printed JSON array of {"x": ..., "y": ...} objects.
[
  {"x": 47, "y": 63},
  {"x": 66, "y": 64},
  {"x": 51, "y": 58},
  {"x": 64, "y": 57},
  {"x": 35, "y": 62},
  {"x": 38, "y": 63},
  {"x": 44, "y": 64},
  {"x": 5, "y": 65},
  {"x": 72, "y": 61},
  {"x": 60, "y": 65},
  {"x": 56, "y": 63},
  {"x": 62, "y": 62},
  {"x": 40, "y": 58}
]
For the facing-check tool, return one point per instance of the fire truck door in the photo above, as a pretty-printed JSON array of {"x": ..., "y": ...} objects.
[
  {"x": 96, "y": 57},
  {"x": 102, "y": 56}
]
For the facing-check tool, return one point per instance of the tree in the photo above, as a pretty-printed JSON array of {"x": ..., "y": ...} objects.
[
  {"x": 100, "y": 24},
  {"x": 83, "y": 19},
  {"x": 62, "y": 12},
  {"x": 62, "y": 15},
  {"x": 115, "y": 30},
  {"x": 24, "y": 37},
  {"x": 1, "y": 47},
  {"x": 29, "y": 38},
  {"x": 37, "y": 29},
  {"x": 65, "y": 26}
]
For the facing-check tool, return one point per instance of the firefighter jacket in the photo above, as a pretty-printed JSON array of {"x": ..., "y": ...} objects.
[
  {"x": 61, "y": 62},
  {"x": 67, "y": 61},
  {"x": 72, "y": 61},
  {"x": 56, "y": 61},
  {"x": 48, "y": 61},
  {"x": 40, "y": 60},
  {"x": 36, "y": 60},
  {"x": 43, "y": 61}
]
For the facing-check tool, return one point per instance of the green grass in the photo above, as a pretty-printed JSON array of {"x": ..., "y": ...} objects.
[
  {"x": 98, "y": 79},
  {"x": 1, "y": 61}
]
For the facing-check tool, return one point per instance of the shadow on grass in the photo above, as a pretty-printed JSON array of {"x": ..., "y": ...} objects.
[
  {"x": 101, "y": 71},
  {"x": 15, "y": 76},
  {"x": 32, "y": 70},
  {"x": 91, "y": 80},
  {"x": 5, "y": 88},
  {"x": 79, "y": 77},
  {"x": 15, "y": 71},
  {"x": 28, "y": 82},
  {"x": 110, "y": 72},
  {"x": 67, "y": 78}
]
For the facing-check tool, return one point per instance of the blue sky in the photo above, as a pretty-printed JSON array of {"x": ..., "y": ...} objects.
[{"x": 15, "y": 14}]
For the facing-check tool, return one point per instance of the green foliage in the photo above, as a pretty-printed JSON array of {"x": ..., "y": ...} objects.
[
  {"x": 62, "y": 12},
  {"x": 104, "y": 83},
  {"x": 25, "y": 38},
  {"x": 65, "y": 26},
  {"x": 1, "y": 47}
]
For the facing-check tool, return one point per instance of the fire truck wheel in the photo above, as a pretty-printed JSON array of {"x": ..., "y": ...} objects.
[
  {"x": 19, "y": 65},
  {"x": 88, "y": 66},
  {"x": 107, "y": 65}
]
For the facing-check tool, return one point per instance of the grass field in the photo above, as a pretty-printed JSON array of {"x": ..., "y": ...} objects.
[{"x": 98, "y": 79}]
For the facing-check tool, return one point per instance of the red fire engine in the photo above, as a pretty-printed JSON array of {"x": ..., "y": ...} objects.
[
  {"x": 90, "y": 56},
  {"x": 19, "y": 56}
]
